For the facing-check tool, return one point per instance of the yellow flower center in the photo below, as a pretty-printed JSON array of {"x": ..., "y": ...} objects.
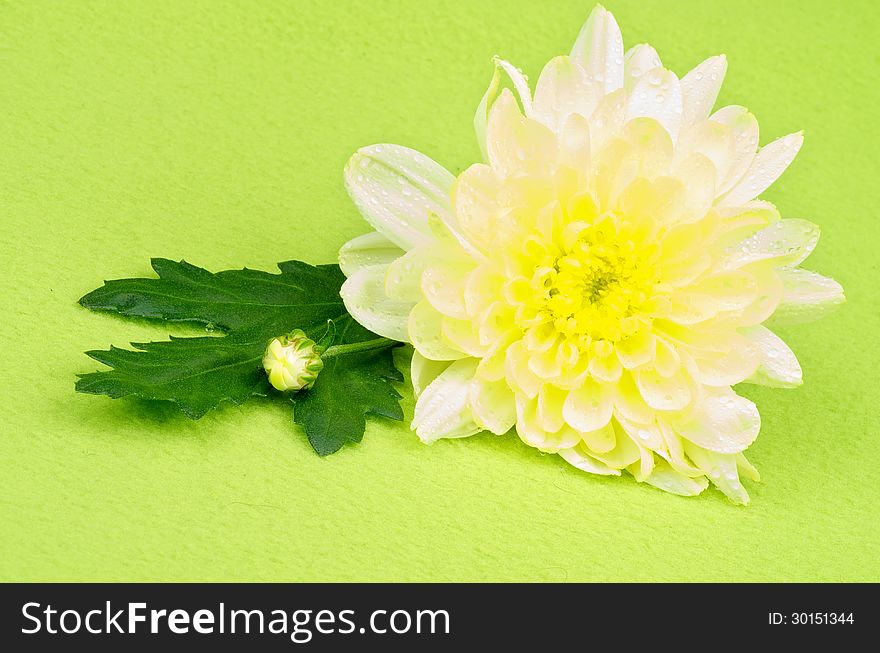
[{"x": 592, "y": 289}]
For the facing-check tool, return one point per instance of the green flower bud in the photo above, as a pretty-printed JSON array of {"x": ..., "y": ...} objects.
[{"x": 293, "y": 361}]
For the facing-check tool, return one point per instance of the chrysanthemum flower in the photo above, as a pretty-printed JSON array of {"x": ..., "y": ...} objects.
[{"x": 602, "y": 280}]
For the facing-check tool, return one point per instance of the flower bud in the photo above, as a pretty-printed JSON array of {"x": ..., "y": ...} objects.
[{"x": 292, "y": 361}]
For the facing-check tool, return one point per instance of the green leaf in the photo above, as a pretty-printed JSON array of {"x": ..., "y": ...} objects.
[
  {"x": 195, "y": 373},
  {"x": 302, "y": 296},
  {"x": 253, "y": 307},
  {"x": 351, "y": 386}
]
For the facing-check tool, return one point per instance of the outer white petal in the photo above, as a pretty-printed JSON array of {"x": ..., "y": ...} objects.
[
  {"x": 785, "y": 242},
  {"x": 668, "y": 479},
  {"x": 403, "y": 281},
  {"x": 583, "y": 461},
  {"x": 806, "y": 296},
  {"x": 563, "y": 89},
  {"x": 744, "y": 130},
  {"x": 396, "y": 189},
  {"x": 779, "y": 367},
  {"x": 364, "y": 297},
  {"x": 423, "y": 371},
  {"x": 517, "y": 144},
  {"x": 481, "y": 117},
  {"x": 638, "y": 60},
  {"x": 425, "y": 331},
  {"x": 722, "y": 470},
  {"x": 493, "y": 405},
  {"x": 520, "y": 84},
  {"x": 599, "y": 49},
  {"x": 475, "y": 195},
  {"x": 657, "y": 95},
  {"x": 724, "y": 422},
  {"x": 370, "y": 249},
  {"x": 442, "y": 410},
  {"x": 699, "y": 88},
  {"x": 769, "y": 164}
]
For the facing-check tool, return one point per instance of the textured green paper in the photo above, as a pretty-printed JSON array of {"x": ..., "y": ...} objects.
[{"x": 217, "y": 132}]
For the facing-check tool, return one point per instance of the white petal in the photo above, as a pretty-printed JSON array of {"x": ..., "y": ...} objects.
[
  {"x": 475, "y": 194},
  {"x": 608, "y": 118},
  {"x": 724, "y": 422},
  {"x": 699, "y": 88},
  {"x": 370, "y": 249},
  {"x": 396, "y": 189},
  {"x": 425, "y": 332},
  {"x": 770, "y": 162},
  {"x": 493, "y": 405},
  {"x": 599, "y": 49},
  {"x": 442, "y": 410},
  {"x": 481, "y": 117},
  {"x": 443, "y": 286},
  {"x": 574, "y": 144},
  {"x": 786, "y": 242},
  {"x": 638, "y": 60},
  {"x": 563, "y": 89},
  {"x": 520, "y": 84},
  {"x": 806, "y": 296},
  {"x": 779, "y": 367},
  {"x": 403, "y": 282},
  {"x": 589, "y": 407},
  {"x": 722, "y": 470},
  {"x": 668, "y": 479},
  {"x": 364, "y": 297},
  {"x": 657, "y": 95},
  {"x": 664, "y": 393},
  {"x": 744, "y": 130},
  {"x": 583, "y": 461},
  {"x": 517, "y": 144},
  {"x": 423, "y": 371}
]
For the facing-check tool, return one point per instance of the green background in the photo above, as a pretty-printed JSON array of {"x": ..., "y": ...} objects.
[{"x": 217, "y": 131}]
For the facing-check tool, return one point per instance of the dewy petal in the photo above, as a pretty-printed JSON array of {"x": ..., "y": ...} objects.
[
  {"x": 668, "y": 479},
  {"x": 424, "y": 329},
  {"x": 370, "y": 249},
  {"x": 599, "y": 50},
  {"x": 779, "y": 367},
  {"x": 657, "y": 95},
  {"x": 577, "y": 457},
  {"x": 638, "y": 60},
  {"x": 423, "y": 371},
  {"x": 475, "y": 194},
  {"x": 806, "y": 296},
  {"x": 588, "y": 407},
  {"x": 744, "y": 129},
  {"x": 664, "y": 393},
  {"x": 625, "y": 451},
  {"x": 786, "y": 242},
  {"x": 563, "y": 89},
  {"x": 770, "y": 162},
  {"x": 442, "y": 410},
  {"x": 722, "y": 470},
  {"x": 396, "y": 189},
  {"x": 575, "y": 148},
  {"x": 724, "y": 422},
  {"x": 364, "y": 297},
  {"x": 403, "y": 281},
  {"x": 699, "y": 88},
  {"x": 481, "y": 117},
  {"x": 517, "y": 144},
  {"x": 493, "y": 405}
]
